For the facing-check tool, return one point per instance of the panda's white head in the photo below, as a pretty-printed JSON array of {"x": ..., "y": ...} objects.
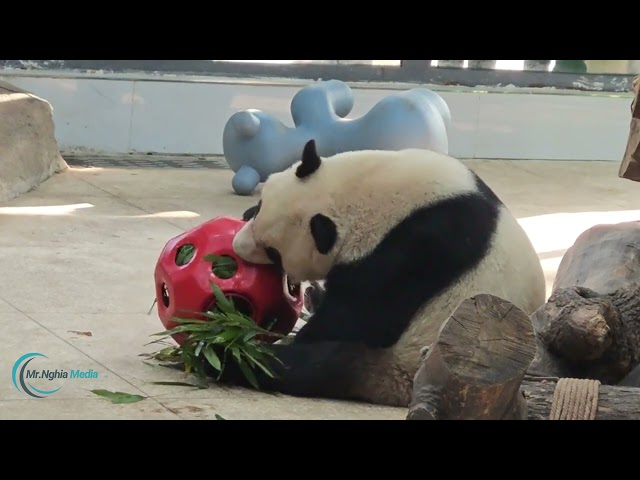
[
  {"x": 325, "y": 211},
  {"x": 293, "y": 226}
]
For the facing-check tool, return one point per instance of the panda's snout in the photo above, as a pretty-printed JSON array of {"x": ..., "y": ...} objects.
[{"x": 244, "y": 245}]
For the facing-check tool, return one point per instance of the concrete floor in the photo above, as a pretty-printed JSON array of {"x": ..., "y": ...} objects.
[{"x": 79, "y": 253}]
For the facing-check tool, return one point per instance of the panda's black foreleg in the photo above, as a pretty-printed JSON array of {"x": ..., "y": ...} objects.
[
  {"x": 331, "y": 369},
  {"x": 302, "y": 369}
]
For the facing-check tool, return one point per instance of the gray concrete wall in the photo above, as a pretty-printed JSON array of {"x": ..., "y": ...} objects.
[{"x": 119, "y": 113}]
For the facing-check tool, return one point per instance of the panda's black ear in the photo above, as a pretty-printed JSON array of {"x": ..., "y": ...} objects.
[
  {"x": 310, "y": 160},
  {"x": 324, "y": 232},
  {"x": 251, "y": 212}
]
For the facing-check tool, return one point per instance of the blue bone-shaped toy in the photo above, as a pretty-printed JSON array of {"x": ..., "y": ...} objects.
[{"x": 256, "y": 144}]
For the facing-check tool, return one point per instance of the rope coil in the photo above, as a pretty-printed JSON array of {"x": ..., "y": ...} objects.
[{"x": 575, "y": 399}]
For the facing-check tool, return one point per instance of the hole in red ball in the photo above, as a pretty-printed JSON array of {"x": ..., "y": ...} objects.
[
  {"x": 240, "y": 304},
  {"x": 223, "y": 266},
  {"x": 165, "y": 295},
  {"x": 184, "y": 254}
]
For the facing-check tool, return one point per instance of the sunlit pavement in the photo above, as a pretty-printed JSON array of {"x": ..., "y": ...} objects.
[{"x": 78, "y": 256}]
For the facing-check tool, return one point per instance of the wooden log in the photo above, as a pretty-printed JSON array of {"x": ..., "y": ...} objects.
[
  {"x": 590, "y": 326},
  {"x": 476, "y": 370},
  {"x": 630, "y": 166},
  {"x": 614, "y": 402},
  {"x": 475, "y": 367}
]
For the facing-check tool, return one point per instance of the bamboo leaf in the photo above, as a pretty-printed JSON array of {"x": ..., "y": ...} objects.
[
  {"x": 258, "y": 363},
  {"x": 175, "y": 384},
  {"x": 212, "y": 358},
  {"x": 236, "y": 353},
  {"x": 230, "y": 334},
  {"x": 185, "y": 254},
  {"x": 223, "y": 266},
  {"x": 199, "y": 348},
  {"x": 118, "y": 397},
  {"x": 187, "y": 320},
  {"x": 222, "y": 302},
  {"x": 249, "y": 336},
  {"x": 249, "y": 375}
]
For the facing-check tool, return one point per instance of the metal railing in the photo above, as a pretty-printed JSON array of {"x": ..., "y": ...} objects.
[{"x": 405, "y": 71}]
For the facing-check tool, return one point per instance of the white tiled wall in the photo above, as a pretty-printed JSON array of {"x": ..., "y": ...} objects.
[
  {"x": 94, "y": 114},
  {"x": 552, "y": 127},
  {"x": 117, "y": 116}
]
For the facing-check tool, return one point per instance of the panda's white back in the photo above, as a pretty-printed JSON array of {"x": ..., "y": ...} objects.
[{"x": 511, "y": 270}]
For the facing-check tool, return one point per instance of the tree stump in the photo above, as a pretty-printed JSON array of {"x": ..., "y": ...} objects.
[
  {"x": 475, "y": 367},
  {"x": 590, "y": 326}
]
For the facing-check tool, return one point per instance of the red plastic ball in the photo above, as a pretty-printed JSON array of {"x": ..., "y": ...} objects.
[{"x": 184, "y": 291}]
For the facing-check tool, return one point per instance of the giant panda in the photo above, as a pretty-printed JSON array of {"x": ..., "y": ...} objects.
[{"x": 400, "y": 238}]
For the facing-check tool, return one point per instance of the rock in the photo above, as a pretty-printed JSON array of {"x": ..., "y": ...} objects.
[{"x": 29, "y": 153}]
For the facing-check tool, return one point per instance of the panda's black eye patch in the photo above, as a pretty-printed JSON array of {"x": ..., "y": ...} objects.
[
  {"x": 274, "y": 256},
  {"x": 324, "y": 232}
]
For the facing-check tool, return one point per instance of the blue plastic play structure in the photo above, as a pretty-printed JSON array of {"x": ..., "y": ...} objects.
[{"x": 256, "y": 144}]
